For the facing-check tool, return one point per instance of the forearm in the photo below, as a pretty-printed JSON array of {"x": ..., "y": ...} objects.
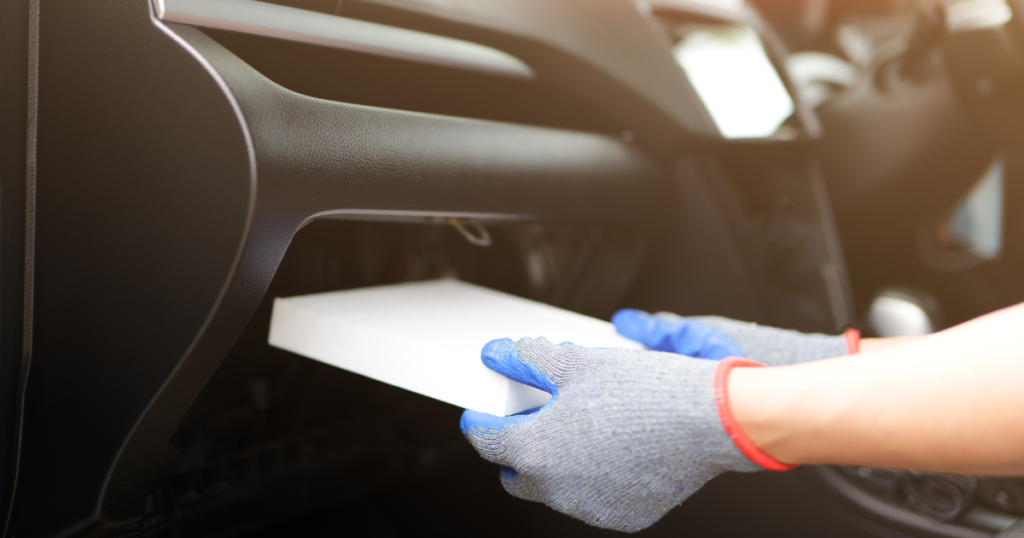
[
  {"x": 950, "y": 402},
  {"x": 871, "y": 345}
]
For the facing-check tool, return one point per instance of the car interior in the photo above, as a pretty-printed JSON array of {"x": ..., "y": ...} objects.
[{"x": 170, "y": 167}]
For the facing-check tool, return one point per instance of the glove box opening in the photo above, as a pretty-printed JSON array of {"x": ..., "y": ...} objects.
[{"x": 276, "y": 438}]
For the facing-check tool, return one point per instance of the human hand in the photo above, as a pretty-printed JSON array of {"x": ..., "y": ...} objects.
[
  {"x": 713, "y": 337},
  {"x": 626, "y": 436}
]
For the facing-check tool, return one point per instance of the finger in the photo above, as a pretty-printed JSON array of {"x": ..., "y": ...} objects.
[
  {"x": 668, "y": 316},
  {"x": 651, "y": 331},
  {"x": 712, "y": 343},
  {"x": 681, "y": 335},
  {"x": 518, "y": 485},
  {"x": 490, "y": 435},
  {"x": 503, "y": 356}
]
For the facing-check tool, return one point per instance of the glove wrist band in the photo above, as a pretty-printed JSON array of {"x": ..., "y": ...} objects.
[
  {"x": 740, "y": 439},
  {"x": 852, "y": 341}
]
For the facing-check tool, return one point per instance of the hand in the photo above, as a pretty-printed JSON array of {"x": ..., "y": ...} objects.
[
  {"x": 712, "y": 337},
  {"x": 626, "y": 436}
]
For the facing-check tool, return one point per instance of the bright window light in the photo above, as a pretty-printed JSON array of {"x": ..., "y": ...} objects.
[
  {"x": 733, "y": 76},
  {"x": 978, "y": 218}
]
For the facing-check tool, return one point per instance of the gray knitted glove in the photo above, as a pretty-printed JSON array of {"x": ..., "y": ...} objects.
[
  {"x": 627, "y": 435},
  {"x": 713, "y": 337}
]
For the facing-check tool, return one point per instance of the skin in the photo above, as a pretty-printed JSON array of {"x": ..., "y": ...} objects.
[
  {"x": 868, "y": 345},
  {"x": 948, "y": 402}
]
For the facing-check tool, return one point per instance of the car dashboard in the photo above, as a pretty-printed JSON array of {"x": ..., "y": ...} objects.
[{"x": 195, "y": 159}]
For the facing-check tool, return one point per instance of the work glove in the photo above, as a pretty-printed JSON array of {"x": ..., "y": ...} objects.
[
  {"x": 626, "y": 436},
  {"x": 713, "y": 337}
]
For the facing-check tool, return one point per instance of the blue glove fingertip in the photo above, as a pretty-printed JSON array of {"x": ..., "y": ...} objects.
[
  {"x": 695, "y": 339},
  {"x": 501, "y": 356},
  {"x": 473, "y": 421},
  {"x": 629, "y": 322},
  {"x": 717, "y": 352},
  {"x": 683, "y": 336},
  {"x": 626, "y": 315},
  {"x": 642, "y": 327},
  {"x": 498, "y": 348}
]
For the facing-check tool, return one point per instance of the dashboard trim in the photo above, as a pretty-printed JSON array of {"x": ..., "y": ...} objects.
[{"x": 293, "y": 24}]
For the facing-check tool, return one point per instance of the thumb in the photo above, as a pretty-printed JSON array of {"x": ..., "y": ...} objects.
[
  {"x": 503, "y": 357},
  {"x": 490, "y": 435},
  {"x": 537, "y": 362}
]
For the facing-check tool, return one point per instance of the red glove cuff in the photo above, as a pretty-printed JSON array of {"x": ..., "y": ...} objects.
[
  {"x": 852, "y": 341},
  {"x": 741, "y": 440}
]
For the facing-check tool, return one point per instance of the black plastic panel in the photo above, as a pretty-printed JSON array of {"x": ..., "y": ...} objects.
[
  {"x": 367, "y": 79},
  {"x": 144, "y": 187},
  {"x": 603, "y": 51},
  {"x": 172, "y": 178},
  {"x": 316, "y": 156},
  {"x": 749, "y": 234},
  {"x": 16, "y": 145}
]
